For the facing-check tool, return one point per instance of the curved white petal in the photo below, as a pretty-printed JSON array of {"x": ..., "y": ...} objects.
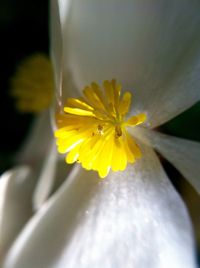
[
  {"x": 37, "y": 152},
  {"x": 64, "y": 9},
  {"x": 183, "y": 154},
  {"x": 16, "y": 186},
  {"x": 131, "y": 219},
  {"x": 46, "y": 178},
  {"x": 180, "y": 92},
  {"x": 36, "y": 145},
  {"x": 52, "y": 175},
  {"x": 64, "y": 84},
  {"x": 152, "y": 47}
]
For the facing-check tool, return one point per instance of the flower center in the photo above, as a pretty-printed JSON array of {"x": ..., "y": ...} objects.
[{"x": 93, "y": 131}]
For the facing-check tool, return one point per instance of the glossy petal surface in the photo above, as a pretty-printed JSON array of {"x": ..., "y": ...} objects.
[
  {"x": 131, "y": 219},
  {"x": 152, "y": 47},
  {"x": 16, "y": 187},
  {"x": 183, "y": 154}
]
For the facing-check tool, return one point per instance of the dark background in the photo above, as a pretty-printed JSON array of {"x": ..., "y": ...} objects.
[{"x": 24, "y": 31}]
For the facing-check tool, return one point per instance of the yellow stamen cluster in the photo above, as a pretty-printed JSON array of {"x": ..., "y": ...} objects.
[
  {"x": 93, "y": 129},
  {"x": 32, "y": 85}
]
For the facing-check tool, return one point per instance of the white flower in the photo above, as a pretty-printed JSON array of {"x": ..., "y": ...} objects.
[{"x": 133, "y": 218}]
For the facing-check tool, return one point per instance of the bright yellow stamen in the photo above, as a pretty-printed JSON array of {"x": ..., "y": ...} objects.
[
  {"x": 93, "y": 129},
  {"x": 32, "y": 85}
]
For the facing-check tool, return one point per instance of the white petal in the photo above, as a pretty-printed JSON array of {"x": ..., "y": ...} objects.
[
  {"x": 37, "y": 143},
  {"x": 16, "y": 186},
  {"x": 183, "y": 154},
  {"x": 64, "y": 84},
  {"x": 37, "y": 152},
  {"x": 152, "y": 47},
  {"x": 52, "y": 175},
  {"x": 46, "y": 178},
  {"x": 130, "y": 219},
  {"x": 180, "y": 92},
  {"x": 64, "y": 9}
]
